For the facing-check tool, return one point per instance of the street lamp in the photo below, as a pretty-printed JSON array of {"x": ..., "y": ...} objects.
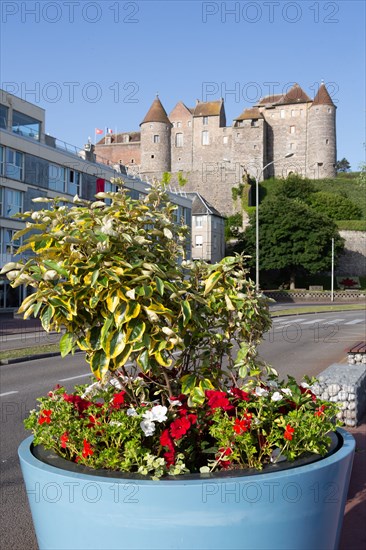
[{"x": 257, "y": 216}]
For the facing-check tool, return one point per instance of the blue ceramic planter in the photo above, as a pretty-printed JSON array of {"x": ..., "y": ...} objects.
[{"x": 298, "y": 508}]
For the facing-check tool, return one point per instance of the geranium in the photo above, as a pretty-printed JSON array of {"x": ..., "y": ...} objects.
[
  {"x": 118, "y": 400},
  {"x": 64, "y": 439},
  {"x": 45, "y": 417},
  {"x": 218, "y": 399},
  {"x": 87, "y": 450},
  {"x": 320, "y": 410},
  {"x": 243, "y": 424},
  {"x": 179, "y": 427},
  {"x": 289, "y": 431}
]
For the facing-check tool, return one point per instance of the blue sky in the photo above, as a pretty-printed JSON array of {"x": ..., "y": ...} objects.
[{"x": 100, "y": 64}]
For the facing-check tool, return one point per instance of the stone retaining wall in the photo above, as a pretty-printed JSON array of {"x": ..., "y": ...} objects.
[
  {"x": 315, "y": 296},
  {"x": 346, "y": 385}
]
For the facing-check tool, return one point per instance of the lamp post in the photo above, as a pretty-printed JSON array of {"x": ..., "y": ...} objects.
[{"x": 288, "y": 155}]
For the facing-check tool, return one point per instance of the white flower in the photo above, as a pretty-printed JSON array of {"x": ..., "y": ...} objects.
[
  {"x": 147, "y": 427},
  {"x": 276, "y": 396},
  {"x": 287, "y": 391},
  {"x": 304, "y": 385},
  {"x": 131, "y": 412},
  {"x": 114, "y": 423},
  {"x": 157, "y": 414},
  {"x": 260, "y": 392},
  {"x": 273, "y": 384},
  {"x": 175, "y": 402}
]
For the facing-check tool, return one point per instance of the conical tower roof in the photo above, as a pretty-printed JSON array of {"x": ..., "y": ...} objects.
[
  {"x": 156, "y": 113},
  {"x": 323, "y": 97},
  {"x": 295, "y": 95}
]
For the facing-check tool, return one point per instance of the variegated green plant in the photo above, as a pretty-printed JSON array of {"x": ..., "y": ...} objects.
[{"x": 111, "y": 274}]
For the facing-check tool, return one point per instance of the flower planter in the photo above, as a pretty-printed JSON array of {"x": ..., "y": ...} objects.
[{"x": 297, "y": 508}]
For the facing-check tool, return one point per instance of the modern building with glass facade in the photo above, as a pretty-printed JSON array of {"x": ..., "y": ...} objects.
[{"x": 34, "y": 164}]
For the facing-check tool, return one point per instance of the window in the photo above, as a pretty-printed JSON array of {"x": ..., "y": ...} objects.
[
  {"x": 254, "y": 123},
  {"x": 74, "y": 182},
  {"x": 132, "y": 161},
  {"x": 317, "y": 111},
  {"x": 292, "y": 146},
  {"x": 198, "y": 221},
  {"x": 329, "y": 110},
  {"x": 8, "y": 245},
  {"x": 179, "y": 140},
  {"x": 179, "y": 124},
  {"x": 225, "y": 140},
  {"x": 254, "y": 146},
  {"x": 199, "y": 240},
  {"x": 156, "y": 138},
  {"x": 215, "y": 242},
  {"x": 205, "y": 138},
  {"x": 110, "y": 187},
  {"x": 292, "y": 129},
  {"x": 189, "y": 123},
  {"x": 282, "y": 113},
  {"x": 293, "y": 113},
  {"x": 327, "y": 142},
  {"x": 11, "y": 202},
  {"x": 3, "y": 116},
  {"x": 205, "y": 120},
  {"x": 14, "y": 164},
  {"x": 301, "y": 112},
  {"x": 125, "y": 139},
  {"x": 152, "y": 156},
  {"x": 25, "y": 125},
  {"x": 2, "y": 155},
  {"x": 56, "y": 178}
]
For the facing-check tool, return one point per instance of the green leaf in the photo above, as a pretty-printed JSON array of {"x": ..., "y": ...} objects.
[
  {"x": 105, "y": 329},
  {"x": 188, "y": 383},
  {"x": 211, "y": 281},
  {"x": 99, "y": 363},
  {"x": 114, "y": 344},
  {"x": 66, "y": 344},
  {"x": 54, "y": 265},
  {"x": 187, "y": 313},
  {"x": 143, "y": 360},
  {"x": 46, "y": 317},
  {"x": 136, "y": 331},
  {"x": 159, "y": 285}
]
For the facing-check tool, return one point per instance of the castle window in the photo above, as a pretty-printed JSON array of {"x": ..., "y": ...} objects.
[
  {"x": 282, "y": 113},
  {"x": 254, "y": 123},
  {"x": 156, "y": 138},
  {"x": 174, "y": 124},
  {"x": 179, "y": 124},
  {"x": 205, "y": 120},
  {"x": 293, "y": 113},
  {"x": 179, "y": 140},
  {"x": 151, "y": 125},
  {"x": 132, "y": 161},
  {"x": 189, "y": 123},
  {"x": 152, "y": 156},
  {"x": 205, "y": 138},
  {"x": 225, "y": 140},
  {"x": 301, "y": 112},
  {"x": 317, "y": 110},
  {"x": 254, "y": 146},
  {"x": 292, "y": 146},
  {"x": 292, "y": 129},
  {"x": 125, "y": 139},
  {"x": 329, "y": 110},
  {"x": 327, "y": 142}
]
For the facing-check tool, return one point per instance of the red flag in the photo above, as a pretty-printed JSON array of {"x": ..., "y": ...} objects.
[{"x": 98, "y": 131}]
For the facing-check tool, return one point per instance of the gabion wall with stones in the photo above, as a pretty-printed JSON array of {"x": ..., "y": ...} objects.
[{"x": 346, "y": 385}]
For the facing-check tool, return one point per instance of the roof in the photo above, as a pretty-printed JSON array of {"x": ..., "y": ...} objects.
[
  {"x": 134, "y": 137},
  {"x": 209, "y": 108},
  {"x": 156, "y": 113},
  {"x": 202, "y": 207},
  {"x": 295, "y": 95},
  {"x": 180, "y": 106},
  {"x": 322, "y": 97},
  {"x": 249, "y": 114}
]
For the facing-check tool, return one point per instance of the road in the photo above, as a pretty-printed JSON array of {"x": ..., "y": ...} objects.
[{"x": 303, "y": 345}]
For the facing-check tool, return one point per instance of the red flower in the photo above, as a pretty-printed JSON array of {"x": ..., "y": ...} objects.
[
  {"x": 64, "y": 439},
  {"x": 79, "y": 403},
  {"x": 320, "y": 410},
  {"x": 118, "y": 400},
  {"x": 242, "y": 425},
  {"x": 167, "y": 441},
  {"x": 169, "y": 458},
  {"x": 221, "y": 454},
  {"x": 93, "y": 421},
  {"x": 218, "y": 399},
  {"x": 288, "y": 432},
  {"x": 87, "y": 450},
  {"x": 309, "y": 392},
  {"x": 46, "y": 417},
  {"x": 240, "y": 394},
  {"x": 179, "y": 427}
]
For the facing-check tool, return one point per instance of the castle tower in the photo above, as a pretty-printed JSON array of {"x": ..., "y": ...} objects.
[
  {"x": 155, "y": 141},
  {"x": 322, "y": 145},
  {"x": 249, "y": 142}
]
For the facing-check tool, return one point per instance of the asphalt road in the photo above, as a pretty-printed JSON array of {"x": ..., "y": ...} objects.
[{"x": 302, "y": 345}]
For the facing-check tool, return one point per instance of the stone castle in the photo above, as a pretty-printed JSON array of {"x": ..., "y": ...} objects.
[{"x": 214, "y": 157}]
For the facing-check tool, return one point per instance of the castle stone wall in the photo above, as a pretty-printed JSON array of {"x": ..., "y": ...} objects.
[{"x": 353, "y": 260}]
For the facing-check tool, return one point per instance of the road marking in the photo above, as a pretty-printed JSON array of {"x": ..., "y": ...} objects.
[
  {"x": 293, "y": 321},
  {"x": 333, "y": 321},
  {"x": 8, "y": 393},
  {"x": 313, "y": 321},
  {"x": 355, "y": 322},
  {"x": 75, "y": 377}
]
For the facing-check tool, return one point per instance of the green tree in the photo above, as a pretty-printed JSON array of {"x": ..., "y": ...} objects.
[
  {"x": 335, "y": 206},
  {"x": 293, "y": 238},
  {"x": 295, "y": 187},
  {"x": 343, "y": 165}
]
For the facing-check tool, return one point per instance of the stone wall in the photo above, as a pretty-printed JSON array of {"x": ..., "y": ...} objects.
[{"x": 353, "y": 260}]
